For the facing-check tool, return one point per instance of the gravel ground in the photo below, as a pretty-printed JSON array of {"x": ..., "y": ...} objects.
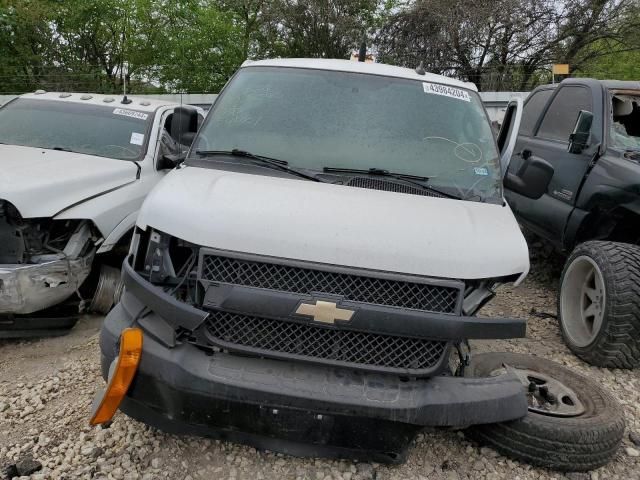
[{"x": 46, "y": 389}]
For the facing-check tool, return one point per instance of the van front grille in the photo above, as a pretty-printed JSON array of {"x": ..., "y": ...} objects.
[
  {"x": 430, "y": 297},
  {"x": 324, "y": 345}
]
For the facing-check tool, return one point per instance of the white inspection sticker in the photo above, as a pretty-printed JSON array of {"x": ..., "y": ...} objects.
[
  {"x": 137, "y": 138},
  {"x": 481, "y": 171},
  {"x": 447, "y": 91},
  {"x": 131, "y": 113}
]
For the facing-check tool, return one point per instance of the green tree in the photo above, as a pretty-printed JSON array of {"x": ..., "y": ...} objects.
[
  {"x": 623, "y": 64},
  {"x": 323, "y": 28},
  {"x": 617, "y": 59},
  {"x": 197, "y": 48},
  {"x": 91, "y": 42},
  {"x": 26, "y": 44},
  {"x": 502, "y": 44},
  {"x": 76, "y": 45}
]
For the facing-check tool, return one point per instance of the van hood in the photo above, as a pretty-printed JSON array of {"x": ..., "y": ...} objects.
[
  {"x": 41, "y": 182},
  {"x": 335, "y": 224}
]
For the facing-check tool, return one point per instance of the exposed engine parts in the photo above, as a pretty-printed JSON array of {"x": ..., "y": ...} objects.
[
  {"x": 42, "y": 261},
  {"x": 11, "y": 238}
]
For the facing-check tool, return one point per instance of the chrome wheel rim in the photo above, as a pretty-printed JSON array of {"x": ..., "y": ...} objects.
[
  {"x": 108, "y": 290},
  {"x": 582, "y": 301}
]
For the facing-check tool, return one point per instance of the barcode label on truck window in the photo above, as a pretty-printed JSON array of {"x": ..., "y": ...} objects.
[
  {"x": 447, "y": 91},
  {"x": 131, "y": 113}
]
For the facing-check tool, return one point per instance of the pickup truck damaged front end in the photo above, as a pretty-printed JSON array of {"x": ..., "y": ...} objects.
[
  {"x": 42, "y": 262},
  {"x": 301, "y": 357}
]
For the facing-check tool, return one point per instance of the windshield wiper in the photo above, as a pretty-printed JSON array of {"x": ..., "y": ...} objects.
[
  {"x": 274, "y": 163},
  {"x": 412, "y": 179}
]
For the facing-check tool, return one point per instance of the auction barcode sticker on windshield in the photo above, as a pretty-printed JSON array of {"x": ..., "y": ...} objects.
[
  {"x": 136, "y": 139},
  {"x": 447, "y": 91},
  {"x": 131, "y": 113}
]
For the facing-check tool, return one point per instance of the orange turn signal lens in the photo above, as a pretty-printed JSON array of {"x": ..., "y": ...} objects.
[{"x": 120, "y": 377}]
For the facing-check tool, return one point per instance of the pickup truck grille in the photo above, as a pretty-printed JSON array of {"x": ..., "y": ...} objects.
[
  {"x": 316, "y": 344},
  {"x": 430, "y": 297}
]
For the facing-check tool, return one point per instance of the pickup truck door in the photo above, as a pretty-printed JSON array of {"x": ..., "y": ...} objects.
[
  {"x": 548, "y": 139},
  {"x": 152, "y": 171}
]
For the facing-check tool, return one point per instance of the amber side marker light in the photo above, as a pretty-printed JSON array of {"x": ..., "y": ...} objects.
[{"x": 121, "y": 374}]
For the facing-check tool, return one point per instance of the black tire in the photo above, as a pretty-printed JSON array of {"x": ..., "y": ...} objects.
[
  {"x": 617, "y": 343},
  {"x": 575, "y": 444}
]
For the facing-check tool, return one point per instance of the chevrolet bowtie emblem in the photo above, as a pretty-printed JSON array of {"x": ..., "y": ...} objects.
[{"x": 325, "y": 312}]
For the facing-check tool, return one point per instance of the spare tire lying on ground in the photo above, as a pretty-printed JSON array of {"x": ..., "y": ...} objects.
[{"x": 572, "y": 423}]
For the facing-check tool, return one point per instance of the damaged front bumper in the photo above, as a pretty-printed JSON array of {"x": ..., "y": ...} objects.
[
  {"x": 288, "y": 406},
  {"x": 28, "y": 288}
]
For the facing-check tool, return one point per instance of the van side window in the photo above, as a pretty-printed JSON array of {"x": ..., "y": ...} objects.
[
  {"x": 560, "y": 119},
  {"x": 532, "y": 110}
]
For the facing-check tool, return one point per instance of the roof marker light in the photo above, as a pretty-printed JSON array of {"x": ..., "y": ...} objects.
[
  {"x": 108, "y": 99},
  {"x": 65, "y": 95},
  {"x": 40, "y": 92},
  {"x": 145, "y": 103},
  {"x": 86, "y": 97}
]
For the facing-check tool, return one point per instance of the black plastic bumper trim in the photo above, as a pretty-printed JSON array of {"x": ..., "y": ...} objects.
[
  {"x": 368, "y": 318},
  {"x": 172, "y": 381},
  {"x": 307, "y": 435}
]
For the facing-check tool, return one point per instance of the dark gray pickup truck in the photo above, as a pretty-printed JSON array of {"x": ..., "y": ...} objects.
[{"x": 588, "y": 131}]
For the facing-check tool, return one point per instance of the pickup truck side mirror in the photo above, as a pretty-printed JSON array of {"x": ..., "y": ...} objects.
[
  {"x": 532, "y": 179},
  {"x": 508, "y": 134},
  {"x": 184, "y": 124},
  {"x": 170, "y": 161},
  {"x": 579, "y": 139}
]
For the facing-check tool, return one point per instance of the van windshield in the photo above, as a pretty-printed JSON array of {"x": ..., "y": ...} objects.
[
  {"x": 317, "y": 118},
  {"x": 109, "y": 131}
]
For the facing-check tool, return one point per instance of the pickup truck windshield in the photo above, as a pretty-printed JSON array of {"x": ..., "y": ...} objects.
[
  {"x": 109, "y": 131},
  {"x": 316, "y": 118}
]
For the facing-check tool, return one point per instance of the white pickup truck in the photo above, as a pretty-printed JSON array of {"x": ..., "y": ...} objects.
[{"x": 74, "y": 170}]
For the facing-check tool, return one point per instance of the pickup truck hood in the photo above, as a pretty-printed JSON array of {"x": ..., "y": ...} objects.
[
  {"x": 336, "y": 224},
  {"x": 41, "y": 183}
]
